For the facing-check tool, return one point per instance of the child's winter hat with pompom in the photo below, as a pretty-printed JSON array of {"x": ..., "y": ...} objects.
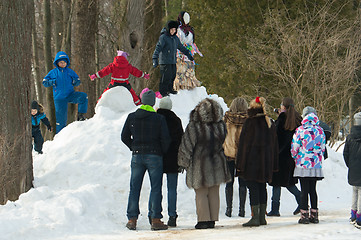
[{"x": 165, "y": 103}]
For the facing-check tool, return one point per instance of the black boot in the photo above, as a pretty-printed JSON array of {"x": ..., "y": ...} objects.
[
  {"x": 229, "y": 199},
  {"x": 304, "y": 217},
  {"x": 242, "y": 200},
  {"x": 275, "y": 209},
  {"x": 172, "y": 221},
  {"x": 314, "y": 216},
  {"x": 81, "y": 117}
]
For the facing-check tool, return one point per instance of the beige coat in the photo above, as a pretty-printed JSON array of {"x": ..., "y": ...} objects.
[{"x": 234, "y": 123}]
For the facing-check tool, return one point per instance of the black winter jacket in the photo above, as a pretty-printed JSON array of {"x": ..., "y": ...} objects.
[
  {"x": 284, "y": 177},
  {"x": 170, "y": 159},
  {"x": 166, "y": 48},
  {"x": 146, "y": 132},
  {"x": 352, "y": 156}
]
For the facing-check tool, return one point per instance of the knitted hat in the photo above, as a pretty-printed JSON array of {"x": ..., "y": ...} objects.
[
  {"x": 307, "y": 110},
  {"x": 357, "y": 118},
  {"x": 165, "y": 103},
  {"x": 121, "y": 53},
  {"x": 148, "y": 98},
  {"x": 172, "y": 24},
  {"x": 35, "y": 105}
]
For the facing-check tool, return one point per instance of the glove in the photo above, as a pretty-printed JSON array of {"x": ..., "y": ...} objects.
[
  {"x": 50, "y": 129},
  {"x": 52, "y": 82},
  {"x": 146, "y": 76},
  {"x": 190, "y": 57},
  {"x": 155, "y": 62},
  {"x": 92, "y": 77}
]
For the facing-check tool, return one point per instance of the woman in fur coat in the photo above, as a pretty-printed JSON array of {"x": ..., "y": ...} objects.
[
  {"x": 257, "y": 158},
  {"x": 201, "y": 154},
  {"x": 234, "y": 119}
]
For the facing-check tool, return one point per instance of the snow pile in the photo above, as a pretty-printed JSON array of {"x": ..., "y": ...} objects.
[{"x": 81, "y": 187}]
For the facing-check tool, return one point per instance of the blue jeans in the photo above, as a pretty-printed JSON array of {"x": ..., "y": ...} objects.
[
  {"x": 172, "y": 182},
  {"x": 276, "y": 195},
  {"x": 140, "y": 164},
  {"x": 61, "y": 107}
]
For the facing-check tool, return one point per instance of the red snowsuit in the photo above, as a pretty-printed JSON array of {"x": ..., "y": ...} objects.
[{"x": 120, "y": 69}]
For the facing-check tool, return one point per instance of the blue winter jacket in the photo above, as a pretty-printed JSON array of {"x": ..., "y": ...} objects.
[
  {"x": 62, "y": 80},
  {"x": 166, "y": 48}
]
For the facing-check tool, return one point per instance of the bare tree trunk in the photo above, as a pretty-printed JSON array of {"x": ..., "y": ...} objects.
[
  {"x": 35, "y": 60},
  {"x": 16, "y": 170},
  {"x": 50, "y": 108},
  {"x": 84, "y": 48},
  {"x": 58, "y": 24},
  {"x": 143, "y": 19},
  {"x": 166, "y": 8},
  {"x": 68, "y": 7}
]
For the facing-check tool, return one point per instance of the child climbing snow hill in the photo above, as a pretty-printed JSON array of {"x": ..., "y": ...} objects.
[{"x": 120, "y": 69}]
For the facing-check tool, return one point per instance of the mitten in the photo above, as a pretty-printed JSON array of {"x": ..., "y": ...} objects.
[
  {"x": 146, "y": 76},
  {"x": 52, "y": 82},
  {"x": 49, "y": 128},
  {"x": 92, "y": 77},
  {"x": 155, "y": 62}
]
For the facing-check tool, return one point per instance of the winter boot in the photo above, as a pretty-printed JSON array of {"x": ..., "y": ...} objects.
[
  {"x": 157, "y": 224},
  {"x": 172, "y": 221},
  {"x": 242, "y": 200},
  {"x": 353, "y": 216},
  {"x": 314, "y": 216},
  {"x": 275, "y": 209},
  {"x": 358, "y": 221},
  {"x": 81, "y": 117},
  {"x": 254, "y": 222},
  {"x": 229, "y": 199},
  {"x": 211, "y": 224},
  {"x": 132, "y": 224},
  {"x": 201, "y": 225},
  {"x": 262, "y": 214},
  {"x": 304, "y": 217}
]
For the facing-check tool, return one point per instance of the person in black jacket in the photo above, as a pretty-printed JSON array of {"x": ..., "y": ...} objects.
[
  {"x": 287, "y": 122},
  {"x": 170, "y": 159},
  {"x": 146, "y": 134},
  {"x": 165, "y": 54},
  {"x": 352, "y": 157},
  {"x": 38, "y": 115}
]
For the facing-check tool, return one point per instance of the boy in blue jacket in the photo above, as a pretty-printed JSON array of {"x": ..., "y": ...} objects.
[
  {"x": 38, "y": 115},
  {"x": 63, "y": 80}
]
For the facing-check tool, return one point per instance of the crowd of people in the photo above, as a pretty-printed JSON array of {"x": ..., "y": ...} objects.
[{"x": 215, "y": 147}]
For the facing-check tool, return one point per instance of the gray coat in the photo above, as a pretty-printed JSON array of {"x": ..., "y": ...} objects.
[
  {"x": 166, "y": 48},
  {"x": 201, "y": 152}
]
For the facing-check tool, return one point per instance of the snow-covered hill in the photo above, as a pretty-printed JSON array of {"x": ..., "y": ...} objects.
[{"x": 81, "y": 188}]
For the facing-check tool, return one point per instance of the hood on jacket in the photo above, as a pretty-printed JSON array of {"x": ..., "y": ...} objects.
[
  {"x": 235, "y": 118},
  {"x": 61, "y": 56},
  {"x": 120, "y": 61},
  {"x": 168, "y": 26},
  {"x": 356, "y": 133},
  {"x": 310, "y": 119},
  {"x": 207, "y": 111}
]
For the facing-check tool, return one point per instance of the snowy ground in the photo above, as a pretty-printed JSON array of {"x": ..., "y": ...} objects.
[{"x": 82, "y": 181}]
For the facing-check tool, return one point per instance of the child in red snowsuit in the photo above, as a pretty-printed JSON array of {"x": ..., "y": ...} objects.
[{"x": 120, "y": 69}]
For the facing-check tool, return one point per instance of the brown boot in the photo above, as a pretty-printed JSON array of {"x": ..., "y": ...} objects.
[
  {"x": 157, "y": 224},
  {"x": 132, "y": 224}
]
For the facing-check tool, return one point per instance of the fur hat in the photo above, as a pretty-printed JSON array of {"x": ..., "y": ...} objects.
[
  {"x": 307, "y": 110},
  {"x": 148, "y": 98},
  {"x": 35, "y": 105},
  {"x": 165, "y": 103},
  {"x": 357, "y": 118}
]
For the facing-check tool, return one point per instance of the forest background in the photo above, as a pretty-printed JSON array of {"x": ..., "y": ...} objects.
[{"x": 307, "y": 50}]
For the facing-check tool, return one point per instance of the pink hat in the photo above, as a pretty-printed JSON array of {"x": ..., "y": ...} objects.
[{"x": 121, "y": 53}]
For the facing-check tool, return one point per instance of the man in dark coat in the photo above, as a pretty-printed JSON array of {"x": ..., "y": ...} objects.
[
  {"x": 165, "y": 54},
  {"x": 352, "y": 156},
  {"x": 146, "y": 134},
  {"x": 170, "y": 159}
]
